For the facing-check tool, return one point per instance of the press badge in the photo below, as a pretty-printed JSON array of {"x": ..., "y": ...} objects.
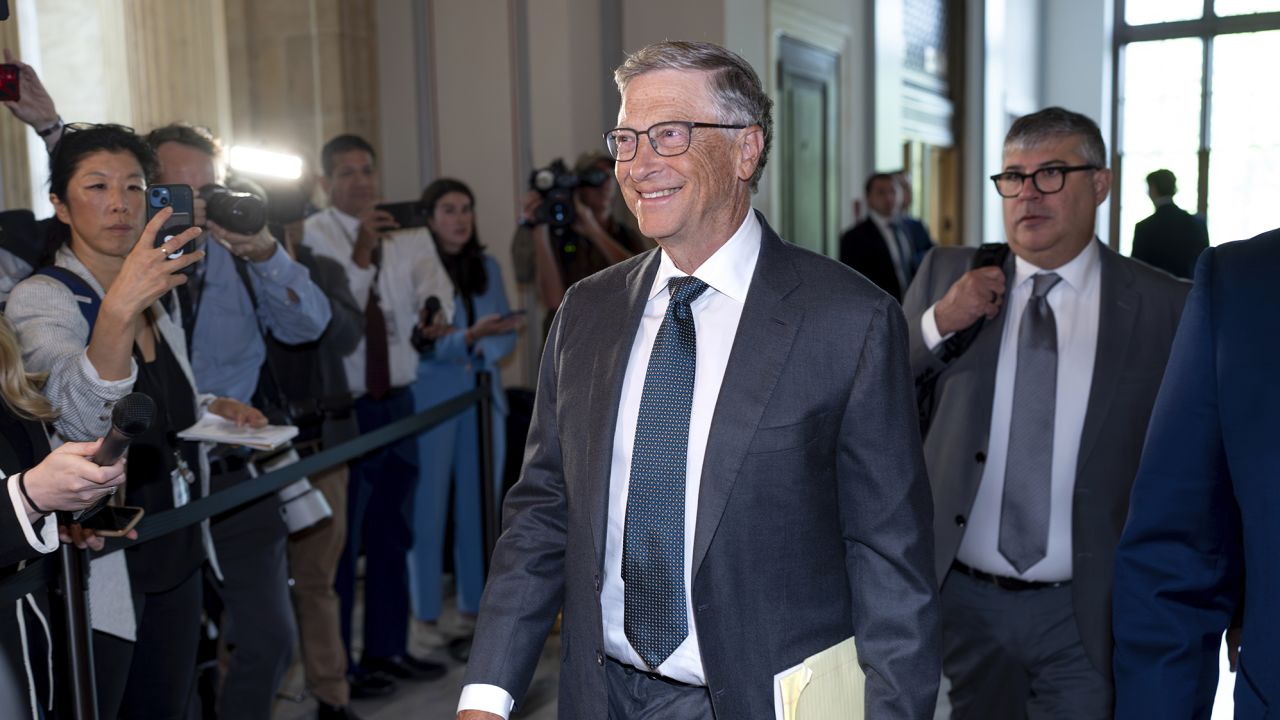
[{"x": 181, "y": 477}]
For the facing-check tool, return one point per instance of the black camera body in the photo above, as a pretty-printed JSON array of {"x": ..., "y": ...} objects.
[
  {"x": 239, "y": 212},
  {"x": 556, "y": 184}
]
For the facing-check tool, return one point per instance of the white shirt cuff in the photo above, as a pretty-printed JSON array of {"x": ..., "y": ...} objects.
[
  {"x": 488, "y": 698},
  {"x": 46, "y": 541},
  {"x": 929, "y": 330},
  {"x": 91, "y": 372}
]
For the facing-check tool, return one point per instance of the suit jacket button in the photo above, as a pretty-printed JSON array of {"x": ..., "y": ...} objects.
[
  {"x": 980, "y": 457},
  {"x": 960, "y": 520},
  {"x": 597, "y": 583},
  {"x": 599, "y": 658}
]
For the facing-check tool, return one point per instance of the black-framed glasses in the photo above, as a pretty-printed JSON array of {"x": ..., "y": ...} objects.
[
  {"x": 668, "y": 139},
  {"x": 1047, "y": 180}
]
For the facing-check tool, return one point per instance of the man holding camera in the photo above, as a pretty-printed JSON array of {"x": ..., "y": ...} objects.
[
  {"x": 593, "y": 241},
  {"x": 392, "y": 275},
  {"x": 246, "y": 286}
]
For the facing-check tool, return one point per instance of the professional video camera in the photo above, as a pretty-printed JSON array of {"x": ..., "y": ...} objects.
[
  {"x": 555, "y": 183},
  {"x": 239, "y": 212}
]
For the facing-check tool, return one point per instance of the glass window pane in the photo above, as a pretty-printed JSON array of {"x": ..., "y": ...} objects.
[
  {"x": 1245, "y": 138},
  {"x": 1222, "y": 8},
  {"x": 1143, "y": 12},
  {"x": 1160, "y": 121}
]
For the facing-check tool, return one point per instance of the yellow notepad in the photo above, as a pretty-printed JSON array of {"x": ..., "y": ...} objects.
[{"x": 826, "y": 686}]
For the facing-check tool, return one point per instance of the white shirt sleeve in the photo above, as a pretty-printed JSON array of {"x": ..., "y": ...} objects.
[
  {"x": 929, "y": 330},
  {"x": 488, "y": 698},
  {"x": 46, "y": 540}
]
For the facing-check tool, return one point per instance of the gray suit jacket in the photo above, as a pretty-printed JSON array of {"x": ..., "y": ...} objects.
[
  {"x": 813, "y": 522},
  {"x": 1139, "y": 314}
]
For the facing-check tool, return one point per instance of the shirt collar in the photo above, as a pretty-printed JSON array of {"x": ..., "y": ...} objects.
[
  {"x": 728, "y": 271},
  {"x": 1077, "y": 273},
  {"x": 880, "y": 220},
  {"x": 346, "y": 222}
]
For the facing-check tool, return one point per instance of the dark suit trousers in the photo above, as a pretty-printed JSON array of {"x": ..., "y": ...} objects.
[
  {"x": 380, "y": 491},
  {"x": 1014, "y": 654},
  {"x": 634, "y": 695}
]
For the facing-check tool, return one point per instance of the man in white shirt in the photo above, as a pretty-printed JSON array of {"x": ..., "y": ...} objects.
[
  {"x": 723, "y": 475},
  {"x": 878, "y": 247},
  {"x": 391, "y": 273},
  {"x": 1035, "y": 439}
]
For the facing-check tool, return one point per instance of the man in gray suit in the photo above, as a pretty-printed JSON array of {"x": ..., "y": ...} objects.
[
  {"x": 723, "y": 475},
  {"x": 1038, "y": 428}
]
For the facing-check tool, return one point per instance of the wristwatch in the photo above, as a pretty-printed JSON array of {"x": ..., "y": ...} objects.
[{"x": 55, "y": 127}]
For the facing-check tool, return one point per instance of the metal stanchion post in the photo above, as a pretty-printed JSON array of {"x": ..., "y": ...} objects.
[
  {"x": 488, "y": 473},
  {"x": 74, "y": 583}
]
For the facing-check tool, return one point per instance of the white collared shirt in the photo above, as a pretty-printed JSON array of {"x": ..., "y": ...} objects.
[
  {"x": 45, "y": 539},
  {"x": 716, "y": 313},
  {"x": 411, "y": 272},
  {"x": 1076, "y": 303}
]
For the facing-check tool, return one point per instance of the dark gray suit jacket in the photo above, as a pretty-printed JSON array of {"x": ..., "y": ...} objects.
[
  {"x": 813, "y": 521},
  {"x": 1138, "y": 316}
]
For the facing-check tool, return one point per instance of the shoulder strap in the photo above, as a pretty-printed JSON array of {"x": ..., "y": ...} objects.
[{"x": 85, "y": 295}]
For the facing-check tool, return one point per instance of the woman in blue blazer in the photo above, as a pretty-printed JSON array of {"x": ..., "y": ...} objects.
[{"x": 482, "y": 333}]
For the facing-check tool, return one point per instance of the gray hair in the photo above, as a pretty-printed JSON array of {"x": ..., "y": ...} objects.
[
  {"x": 735, "y": 87},
  {"x": 1053, "y": 123}
]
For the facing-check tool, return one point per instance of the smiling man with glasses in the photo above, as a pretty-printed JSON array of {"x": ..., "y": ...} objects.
[
  {"x": 723, "y": 476},
  {"x": 1035, "y": 440}
]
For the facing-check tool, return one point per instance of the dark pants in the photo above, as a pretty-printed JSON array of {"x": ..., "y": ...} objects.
[
  {"x": 634, "y": 695},
  {"x": 151, "y": 679},
  {"x": 258, "y": 621},
  {"x": 1014, "y": 654},
  {"x": 379, "y": 511}
]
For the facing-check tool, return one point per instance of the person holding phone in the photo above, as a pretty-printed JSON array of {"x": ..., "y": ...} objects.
[
  {"x": 38, "y": 483},
  {"x": 483, "y": 332},
  {"x": 96, "y": 345}
]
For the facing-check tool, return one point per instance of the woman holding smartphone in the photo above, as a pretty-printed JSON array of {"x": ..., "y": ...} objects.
[
  {"x": 124, "y": 340},
  {"x": 483, "y": 332}
]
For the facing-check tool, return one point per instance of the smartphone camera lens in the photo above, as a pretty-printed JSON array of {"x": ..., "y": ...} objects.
[{"x": 164, "y": 200}]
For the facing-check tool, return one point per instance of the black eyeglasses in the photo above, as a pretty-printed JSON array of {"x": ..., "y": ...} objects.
[
  {"x": 668, "y": 139},
  {"x": 1047, "y": 180}
]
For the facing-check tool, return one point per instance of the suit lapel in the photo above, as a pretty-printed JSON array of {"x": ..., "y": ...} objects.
[
  {"x": 608, "y": 370},
  {"x": 1117, "y": 316},
  {"x": 985, "y": 352},
  {"x": 765, "y": 333}
]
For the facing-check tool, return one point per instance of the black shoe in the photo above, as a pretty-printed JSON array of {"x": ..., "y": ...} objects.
[
  {"x": 370, "y": 685},
  {"x": 404, "y": 667},
  {"x": 325, "y": 711}
]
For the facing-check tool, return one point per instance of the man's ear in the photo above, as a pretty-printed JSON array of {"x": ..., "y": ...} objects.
[
  {"x": 1101, "y": 185},
  {"x": 750, "y": 147}
]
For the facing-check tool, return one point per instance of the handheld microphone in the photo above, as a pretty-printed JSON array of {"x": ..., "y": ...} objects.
[
  {"x": 432, "y": 307},
  {"x": 420, "y": 342},
  {"x": 132, "y": 416}
]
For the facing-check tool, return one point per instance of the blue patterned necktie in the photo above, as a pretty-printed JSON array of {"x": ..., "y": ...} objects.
[
  {"x": 1028, "y": 471},
  {"x": 655, "y": 619}
]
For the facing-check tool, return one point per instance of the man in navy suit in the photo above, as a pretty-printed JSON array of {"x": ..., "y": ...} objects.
[
  {"x": 878, "y": 247},
  {"x": 1172, "y": 238},
  {"x": 914, "y": 228},
  {"x": 1203, "y": 504}
]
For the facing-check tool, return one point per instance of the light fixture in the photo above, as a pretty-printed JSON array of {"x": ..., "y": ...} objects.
[{"x": 266, "y": 163}]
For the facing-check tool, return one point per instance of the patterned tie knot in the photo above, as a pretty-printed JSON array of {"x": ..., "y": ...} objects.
[
  {"x": 1044, "y": 282},
  {"x": 684, "y": 290}
]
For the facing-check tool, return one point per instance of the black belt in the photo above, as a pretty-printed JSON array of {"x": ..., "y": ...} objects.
[
  {"x": 1005, "y": 583},
  {"x": 653, "y": 675}
]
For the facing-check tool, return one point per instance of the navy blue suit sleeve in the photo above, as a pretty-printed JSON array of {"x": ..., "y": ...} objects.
[{"x": 1178, "y": 573}]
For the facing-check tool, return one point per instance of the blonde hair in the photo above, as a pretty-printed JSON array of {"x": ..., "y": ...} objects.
[{"x": 18, "y": 388}]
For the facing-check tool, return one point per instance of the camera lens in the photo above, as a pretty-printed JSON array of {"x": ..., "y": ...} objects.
[{"x": 164, "y": 201}]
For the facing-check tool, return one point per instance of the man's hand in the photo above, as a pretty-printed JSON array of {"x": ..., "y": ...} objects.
[
  {"x": 584, "y": 221},
  {"x": 529, "y": 212},
  {"x": 477, "y": 715},
  {"x": 238, "y": 413},
  {"x": 978, "y": 293},
  {"x": 254, "y": 248},
  {"x": 35, "y": 107},
  {"x": 374, "y": 223}
]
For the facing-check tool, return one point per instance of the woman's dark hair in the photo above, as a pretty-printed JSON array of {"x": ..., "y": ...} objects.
[
  {"x": 79, "y": 141},
  {"x": 466, "y": 269}
]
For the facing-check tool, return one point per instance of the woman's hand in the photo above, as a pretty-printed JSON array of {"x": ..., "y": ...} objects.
[
  {"x": 148, "y": 273},
  {"x": 67, "y": 480},
  {"x": 238, "y": 413},
  {"x": 494, "y": 324}
]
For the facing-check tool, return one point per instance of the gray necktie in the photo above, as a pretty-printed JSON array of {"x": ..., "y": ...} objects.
[{"x": 1024, "y": 512}]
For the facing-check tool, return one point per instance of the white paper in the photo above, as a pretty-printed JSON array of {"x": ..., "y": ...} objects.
[{"x": 214, "y": 428}]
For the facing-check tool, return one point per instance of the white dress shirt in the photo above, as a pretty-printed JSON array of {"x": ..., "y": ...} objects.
[
  {"x": 411, "y": 272},
  {"x": 715, "y": 314},
  {"x": 1076, "y": 303},
  {"x": 45, "y": 539}
]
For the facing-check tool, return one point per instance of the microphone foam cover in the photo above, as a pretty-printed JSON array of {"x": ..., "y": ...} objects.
[{"x": 133, "y": 414}]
